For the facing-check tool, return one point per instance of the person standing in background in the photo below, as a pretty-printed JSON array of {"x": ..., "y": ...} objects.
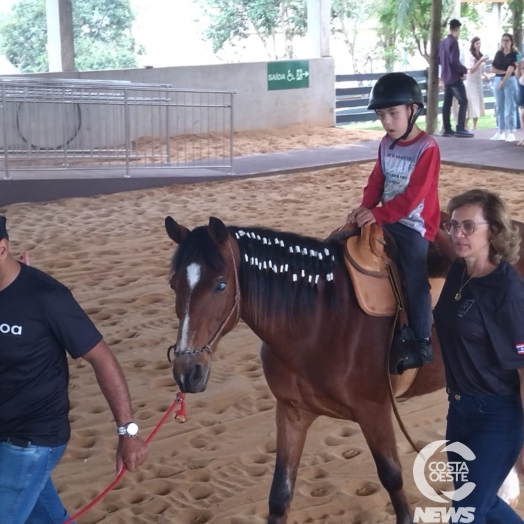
[
  {"x": 452, "y": 73},
  {"x": 474, "y": 82},
  {"x": 505, "y": 87}
]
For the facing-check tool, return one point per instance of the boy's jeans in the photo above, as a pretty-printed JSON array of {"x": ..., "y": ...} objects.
[
  {"x": 27, "y": 493},
  {"x": 491, "y": 427},
  {"x": 506, "y": 103},
  {"x": 412, "y": 250}
]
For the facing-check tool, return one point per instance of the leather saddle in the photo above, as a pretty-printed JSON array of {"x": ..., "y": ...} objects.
[{"x": 377, "y": 282}]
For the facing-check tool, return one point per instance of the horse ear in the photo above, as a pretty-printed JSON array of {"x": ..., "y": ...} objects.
[
  {"x": 217, "y": 230},
  {"x": 175, "y": 231}
]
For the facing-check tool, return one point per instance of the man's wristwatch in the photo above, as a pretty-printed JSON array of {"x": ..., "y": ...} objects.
[{"x": 129, "y": 430}]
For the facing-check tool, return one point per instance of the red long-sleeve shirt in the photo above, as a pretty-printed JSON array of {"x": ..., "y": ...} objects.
[{"x": 405, "y": 181}]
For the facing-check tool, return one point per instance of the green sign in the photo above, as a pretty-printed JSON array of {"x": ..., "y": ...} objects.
[{"x": 293, "y": 74}]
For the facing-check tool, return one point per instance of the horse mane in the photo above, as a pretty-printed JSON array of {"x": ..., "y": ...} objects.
[{"x": 282, "y": 274}]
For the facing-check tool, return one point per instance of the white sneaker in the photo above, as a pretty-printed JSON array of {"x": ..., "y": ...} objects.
[
  {"x": 498, "y": 136},
  {"x": 510, "y": 137}
]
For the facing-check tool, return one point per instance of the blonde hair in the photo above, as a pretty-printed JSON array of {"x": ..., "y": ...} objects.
[{"x": 505, "y": 241}]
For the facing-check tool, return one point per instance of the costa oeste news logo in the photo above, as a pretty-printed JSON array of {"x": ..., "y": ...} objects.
[{"x": 427, "y": 467}]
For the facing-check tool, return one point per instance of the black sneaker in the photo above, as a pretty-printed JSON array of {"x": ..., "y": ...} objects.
[
  {"x": 463, "y": 133},
  {"x": 448, "y": 133}
]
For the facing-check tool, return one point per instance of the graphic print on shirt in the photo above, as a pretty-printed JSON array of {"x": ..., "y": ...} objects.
[
  {"x": 6, "y": 329},
  {"x": 520, "y": 348},
  {"x": 465, "y": 307},
  {"x": 398, "y": 166}
]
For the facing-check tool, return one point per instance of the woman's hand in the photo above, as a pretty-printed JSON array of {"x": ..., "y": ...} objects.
[{"x": 501, "y": 86}]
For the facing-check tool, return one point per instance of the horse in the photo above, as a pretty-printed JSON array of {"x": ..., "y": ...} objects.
[{"x": 321, "y": 354}]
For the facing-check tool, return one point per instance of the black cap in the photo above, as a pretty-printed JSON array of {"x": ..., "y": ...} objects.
[
  {"x": 3, "y": 228},
  {"x": 454, "y": 24},
  {"x": 395, "y": 89}
]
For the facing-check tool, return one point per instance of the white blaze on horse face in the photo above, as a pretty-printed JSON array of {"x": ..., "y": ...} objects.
[{"x": 193, "y": 276}]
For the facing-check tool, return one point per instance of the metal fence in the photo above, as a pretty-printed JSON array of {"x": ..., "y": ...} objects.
[
  {"x": 53, "y": 124},
  {"x": 352, "y": 95}
]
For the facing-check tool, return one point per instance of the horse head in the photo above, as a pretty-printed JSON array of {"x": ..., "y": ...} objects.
[{"x": 204, "y": 277}]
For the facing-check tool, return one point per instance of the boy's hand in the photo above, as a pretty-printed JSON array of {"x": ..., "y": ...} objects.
[
  {"x": 361, "y": 216},
  {"x": 365, "y": 217},
  {"x": 352, "y": 217}
]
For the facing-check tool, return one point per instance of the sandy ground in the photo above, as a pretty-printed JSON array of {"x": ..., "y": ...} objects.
[
  {"x": 214, "y": 148},
  {"x": 187, "y": 148},
  {"x": 113, "y": 253}
]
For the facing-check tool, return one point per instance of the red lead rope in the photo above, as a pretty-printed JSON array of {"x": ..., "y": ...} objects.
[{"x": 180, "y": 414}]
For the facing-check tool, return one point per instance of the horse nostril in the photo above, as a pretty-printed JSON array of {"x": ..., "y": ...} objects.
[{"x": 196, "y": 374}]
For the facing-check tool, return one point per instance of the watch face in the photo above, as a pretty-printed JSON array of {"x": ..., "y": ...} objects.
[{"x": 132, "y": 429}]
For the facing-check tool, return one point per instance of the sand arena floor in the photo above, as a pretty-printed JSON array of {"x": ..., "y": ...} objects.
[{"x": 113, "y": 253}]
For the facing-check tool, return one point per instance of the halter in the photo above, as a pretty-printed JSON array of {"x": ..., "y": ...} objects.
[{"x": 236, "y": 306}]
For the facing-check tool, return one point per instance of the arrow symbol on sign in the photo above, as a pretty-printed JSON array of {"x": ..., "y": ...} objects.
[{"x": 306, "y": 73}]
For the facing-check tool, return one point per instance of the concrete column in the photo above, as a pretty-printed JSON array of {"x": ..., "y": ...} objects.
[
  {"x": 319, "y": 27},
  {"x": 60, "y": 43},
  {"x": 496, "y": 31}
]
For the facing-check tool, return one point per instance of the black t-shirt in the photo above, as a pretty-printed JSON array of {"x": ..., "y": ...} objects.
[
  {"x": 482, "y": 334},
  {"x": 39, "y": 321},
  {"x": 502, "y": 61}
]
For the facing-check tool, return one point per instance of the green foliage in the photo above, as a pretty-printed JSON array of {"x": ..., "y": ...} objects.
[
  {"x": 517, "y": 11},
  {"x": 347, "y": 17},
  {"x": 234, "y": 20},
  {"x": 101, "y": 28},
  {"x": 411, "y": 27}
]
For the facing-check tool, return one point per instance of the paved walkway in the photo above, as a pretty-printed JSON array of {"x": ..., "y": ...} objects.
[{"x": 42, "y": 186}]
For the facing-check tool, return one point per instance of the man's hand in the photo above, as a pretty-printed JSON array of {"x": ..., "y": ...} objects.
[{"x": 131, "y": 452}]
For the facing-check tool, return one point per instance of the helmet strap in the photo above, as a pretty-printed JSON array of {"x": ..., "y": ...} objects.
[{"x": 412, "y": 119}]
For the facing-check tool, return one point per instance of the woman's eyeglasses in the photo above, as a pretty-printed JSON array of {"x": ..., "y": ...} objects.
[{"x": 467, "y": 227}]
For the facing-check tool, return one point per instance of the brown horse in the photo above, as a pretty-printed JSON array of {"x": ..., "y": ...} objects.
[{"x": 320, "y": 353}]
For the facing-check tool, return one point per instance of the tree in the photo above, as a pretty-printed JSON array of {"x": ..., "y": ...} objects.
[
  {"x": 517, "y": 8},
  {"x": 347, "y": 18},
  {"x": 101, "y": 28},
  {"x": 408, "y": 22},
  {"x": 234, "y": 20}
]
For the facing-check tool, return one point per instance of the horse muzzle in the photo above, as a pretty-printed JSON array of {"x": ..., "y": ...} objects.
[{"x": 191, "y": 378}]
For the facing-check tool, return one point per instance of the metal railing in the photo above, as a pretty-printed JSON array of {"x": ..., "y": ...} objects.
[{"x": 52, "y": 124}]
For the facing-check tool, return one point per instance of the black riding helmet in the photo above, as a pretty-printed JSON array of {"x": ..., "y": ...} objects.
[{"x": 397, "y": 89}]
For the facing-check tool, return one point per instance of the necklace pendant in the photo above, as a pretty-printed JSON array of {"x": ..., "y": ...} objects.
[{"x": 458, "y": 296}]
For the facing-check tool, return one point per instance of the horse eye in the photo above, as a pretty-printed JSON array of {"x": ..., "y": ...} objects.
[{"x": 221, "y": 286}]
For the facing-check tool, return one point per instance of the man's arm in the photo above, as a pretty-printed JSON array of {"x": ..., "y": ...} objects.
[
  {"x": 456, "y": 64},
  {"x": 131, "y": 451}
]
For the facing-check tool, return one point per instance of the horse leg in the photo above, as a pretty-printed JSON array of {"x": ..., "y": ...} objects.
[
  {"x": 292, "y": 426},
  {"x": 377, "y": 428}
]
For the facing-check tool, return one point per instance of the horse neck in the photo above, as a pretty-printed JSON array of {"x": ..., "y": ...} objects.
[{"x": 281, "y": 306}]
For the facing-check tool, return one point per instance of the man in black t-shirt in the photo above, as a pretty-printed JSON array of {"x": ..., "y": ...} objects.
[{"x": 39, "y": 322}]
